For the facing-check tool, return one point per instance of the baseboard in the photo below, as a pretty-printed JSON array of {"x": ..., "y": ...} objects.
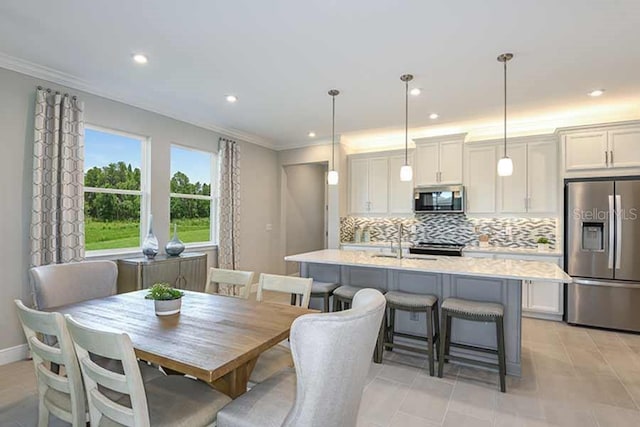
[
  {"x": 13, "y": 354},
  {"x": 543, "y": 316}
]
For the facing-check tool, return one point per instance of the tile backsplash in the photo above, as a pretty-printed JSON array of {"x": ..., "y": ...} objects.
[{"x": 455, "y": 228}]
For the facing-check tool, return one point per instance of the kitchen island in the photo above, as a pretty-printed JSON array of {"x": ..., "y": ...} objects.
[{"x": 491, "y": 280}]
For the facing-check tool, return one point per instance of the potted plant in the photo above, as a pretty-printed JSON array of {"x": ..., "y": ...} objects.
[
  {"x": 166, "y": 299},
  {"x": 543, "y": 244}
]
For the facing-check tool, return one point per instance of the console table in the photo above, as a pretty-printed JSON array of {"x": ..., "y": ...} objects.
[{"x": 187, "y": 271}]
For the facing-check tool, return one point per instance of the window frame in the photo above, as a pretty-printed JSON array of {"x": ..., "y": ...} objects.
[
  {"x": 213, "y": 195},
  {"x": 143, "y": 192}
]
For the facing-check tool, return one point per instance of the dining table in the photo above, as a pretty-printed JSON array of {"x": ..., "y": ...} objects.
[{"x": 217, "y": 339}]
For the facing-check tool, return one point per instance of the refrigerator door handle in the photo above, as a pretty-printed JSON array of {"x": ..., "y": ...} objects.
[
  {"x": 618, "y": 230},
  {"x": 611, "y": 232}
]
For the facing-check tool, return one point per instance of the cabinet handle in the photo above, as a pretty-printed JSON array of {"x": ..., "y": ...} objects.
[
  {"x": 611, "y": 157},
  {"x": 606, "y": 158}
]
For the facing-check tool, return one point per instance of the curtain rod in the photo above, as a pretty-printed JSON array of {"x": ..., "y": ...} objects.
[{"x": 57, "y": 92}]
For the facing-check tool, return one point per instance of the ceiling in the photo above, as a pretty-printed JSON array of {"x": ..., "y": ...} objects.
[{"x": 281, "y": 57}]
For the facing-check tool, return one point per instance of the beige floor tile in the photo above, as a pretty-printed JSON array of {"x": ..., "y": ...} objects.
[
  {"x": 428, "y": 398},
  {"x": 381, "y": 399},
  {"x": 589, "y": 362},
  {"x": 577, "y": 338},
  {"x": 374, "y": 370},
  {"x": 457, "y": 419},
  {"x": 526, "y": 407},
  {"x": 399, "y": 372},
  {"x": 568, "y": 414},
  {"x": 609, "y": 416},
  {"x": 471, "y": 375},
  {"x": 405, "y": 420},
  {"x": 473, "y": 400}
]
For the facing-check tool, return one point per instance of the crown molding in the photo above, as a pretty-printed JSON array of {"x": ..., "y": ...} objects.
[{"x": 42, "y": 72}]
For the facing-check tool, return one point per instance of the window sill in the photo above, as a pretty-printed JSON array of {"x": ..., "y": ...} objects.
[{"x": 112, "y": 254}]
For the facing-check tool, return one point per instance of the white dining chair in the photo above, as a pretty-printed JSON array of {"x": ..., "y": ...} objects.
[
  {"x": 279, "y": 357},
  {"x": 61, "y": 284},
  {"x": 60, "y": 395},
  {"x": 221, "y": 276},
  {"x": 326, "y": 387},
  {"x": 163, "y": 402}
]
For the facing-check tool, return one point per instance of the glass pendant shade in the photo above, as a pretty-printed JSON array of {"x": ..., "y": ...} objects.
[
  {"x": 332, "y": 177},
  {"x": 406, "y": 173},
  {"x": 505, "y": 166}
]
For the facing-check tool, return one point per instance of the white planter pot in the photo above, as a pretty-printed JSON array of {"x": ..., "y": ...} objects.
[
  {"x": 543, "y": 247},
  {"x": 167, "y": 307}
]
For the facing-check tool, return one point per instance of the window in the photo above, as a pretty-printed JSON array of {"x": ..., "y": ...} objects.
[
  {"x": 113, "y": 189},
  {"x": 193, "y": 202}
]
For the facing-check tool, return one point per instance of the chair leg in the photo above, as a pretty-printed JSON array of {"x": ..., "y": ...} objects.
[
  {"x": 430, "y": 354},
  {"x": 326, "y": 303},
  {"x": 293, "y": 299},
  {"x": 502, "y": 363},
  {"x": 441, "y": 356},
  {"x": 447, "y": 339},
  {"x": 436, "y": 326},
  {"x": 335, "y": 303},
  {"x": 392, "y": 325},
  {"x": 377, "y": 355},
  {"x": 43, "y": 414}
]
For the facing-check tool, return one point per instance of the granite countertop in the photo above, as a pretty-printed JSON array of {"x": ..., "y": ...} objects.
[
  {"x": 514, "y": 251},
  {"x": 377, "y": 244},
  {"x": 465, "y": 266}
]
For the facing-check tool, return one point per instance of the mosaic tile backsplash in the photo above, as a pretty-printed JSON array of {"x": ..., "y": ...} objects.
[{"x": 455, "y": 228}]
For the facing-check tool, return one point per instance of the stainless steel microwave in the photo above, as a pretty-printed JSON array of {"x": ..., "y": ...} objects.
[{"x": 441, "y": 199}]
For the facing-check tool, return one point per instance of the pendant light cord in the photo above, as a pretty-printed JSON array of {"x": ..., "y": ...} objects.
[
  {"x": 406, "y": 122},
  {"x": 505, "y": 108},
  {"x": 333, "y": 132}
]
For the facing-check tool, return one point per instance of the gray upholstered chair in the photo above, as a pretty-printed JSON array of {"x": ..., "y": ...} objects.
[
  {"x": 166, "y": 401},
  {"x": 61, "y": 284},
  {"x": 60, "y": 395},
  {"x": 326, "y": 387}
]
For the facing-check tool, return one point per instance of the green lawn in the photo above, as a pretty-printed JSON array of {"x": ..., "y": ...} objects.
[{"x": 125, "y": 234}]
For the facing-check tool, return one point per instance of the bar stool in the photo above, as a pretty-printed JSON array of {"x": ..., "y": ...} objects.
[
  {"x": 324, "y": 290},
  {"x": 476, "y": 311},
  {"x": 342, "y": 298},
  {"x": 414, "y": 303}
]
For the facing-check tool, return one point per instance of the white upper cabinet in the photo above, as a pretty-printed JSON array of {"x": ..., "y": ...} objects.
[
  {"x": 600, "y": 149},
  {"x": 368, "y": 182},
  {"x": 400, "y": 192},
  {"x": 439, "y": 160},
  {"x": 480, "y": 178},
  {"x": 533, "y": 186}
]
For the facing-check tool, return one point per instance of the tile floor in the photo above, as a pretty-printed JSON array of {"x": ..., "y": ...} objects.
[{"x": 571, "y": 377}]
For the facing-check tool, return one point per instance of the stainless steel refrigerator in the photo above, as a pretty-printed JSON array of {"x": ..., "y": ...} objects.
[{"x": 602, "y": 252}]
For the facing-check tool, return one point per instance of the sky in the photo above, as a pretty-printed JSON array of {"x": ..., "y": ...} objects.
[{"x": 102, "y": 148}]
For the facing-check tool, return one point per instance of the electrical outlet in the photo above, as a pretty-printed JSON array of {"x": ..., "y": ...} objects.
[
  {"x": 268, "y": 227},
  {"x": 414, "y": 316}
]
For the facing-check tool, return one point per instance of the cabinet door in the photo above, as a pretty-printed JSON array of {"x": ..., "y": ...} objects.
[
  {"x": 513, "y": 195},
  {"x": 359, "y": 185},
  {"x": 400, "y": 192},
  {"x": 585, "y": 150},
  {"x": 542, "y": 181},
  {"x": 160, "y": 272},
  {"x": 624, "y": 148},
  {"x": 451, "y": 162},
  {"x": 545, "y": 297},
  {"x": 193, "y": 274},
  {"x": 525, "y": 294},
  {"x": 480, "y": 178},
  {"x": 378, "y": 185},
  {"x": 427, "y": 167}
]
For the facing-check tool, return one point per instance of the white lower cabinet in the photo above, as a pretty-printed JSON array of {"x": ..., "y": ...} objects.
[{"x": 542, "y": 300}]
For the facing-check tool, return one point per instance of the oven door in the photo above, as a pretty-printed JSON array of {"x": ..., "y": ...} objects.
[{"x": 439, "y": 199}]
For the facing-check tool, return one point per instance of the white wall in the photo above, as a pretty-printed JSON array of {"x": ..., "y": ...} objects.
[
  {"x": 304, "y": 213},
  {"x": 260, "y": 181}
]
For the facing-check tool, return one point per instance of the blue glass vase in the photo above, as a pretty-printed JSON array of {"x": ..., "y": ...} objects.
[{"x": 174, "y": 247}]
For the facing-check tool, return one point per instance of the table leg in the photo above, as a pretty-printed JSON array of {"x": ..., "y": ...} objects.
[{"x": 234, "y": 384}]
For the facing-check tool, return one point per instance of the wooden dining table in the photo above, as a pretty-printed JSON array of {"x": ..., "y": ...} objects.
[{"x": 214, "y": 338}]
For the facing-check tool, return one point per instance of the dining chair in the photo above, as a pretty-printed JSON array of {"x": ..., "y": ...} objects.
[
  {"x": 326, "y": 387},
  {"x": 278, "y": 357},
  {"x": 218, "y": 276},
  {"x": 60, "y": 395},
  {"x": 61, "y": 284},
  {"x": 166, "y": 401}
]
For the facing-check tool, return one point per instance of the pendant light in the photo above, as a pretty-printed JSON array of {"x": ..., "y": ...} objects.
[
  {"x": 332, "y": 176},
  {"x": 505, "y": 164},
  {"x": 406, "y": 173}
]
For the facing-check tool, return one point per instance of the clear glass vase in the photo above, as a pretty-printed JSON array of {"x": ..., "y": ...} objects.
[
  {"x": 150, "y": 243},
  {"x": 174, "y": 247}
]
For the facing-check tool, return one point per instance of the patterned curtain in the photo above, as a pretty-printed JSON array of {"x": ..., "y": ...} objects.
[
  {"x": 229, "y": 215},
  {"x": 57, "y": 219}
]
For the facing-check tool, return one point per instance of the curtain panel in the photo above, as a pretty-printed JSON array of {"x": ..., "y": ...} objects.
[
  {"x": 57, "y": 218},
  {"x": 229, "y": 211}
]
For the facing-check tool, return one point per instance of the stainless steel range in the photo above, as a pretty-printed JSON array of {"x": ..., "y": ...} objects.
[{"x": 428, "y": 248}]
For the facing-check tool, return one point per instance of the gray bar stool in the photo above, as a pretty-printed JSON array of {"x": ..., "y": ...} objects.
[
  {"x": 324, "y": 290},
  {"x": 476, "y": 311},
  {"x": 342, "y": 298},
  {"x": 414, "y": 303}
]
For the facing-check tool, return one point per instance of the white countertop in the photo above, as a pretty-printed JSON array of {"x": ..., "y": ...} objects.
[
  {"x": 377, "y": 244},
  {"x": 465, "y": 266},
  {"x": 513, "y": 251}
]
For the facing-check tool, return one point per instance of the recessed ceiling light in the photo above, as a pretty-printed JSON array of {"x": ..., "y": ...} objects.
[
  {"x": 312, "y": 134},
  {"x": 597, "y": 92},
  {"x": 140, "y": 58},
  {"x": 231, "y": 98},
  {"x": 415, "y": 91},
  {"x": 433, "y": 116}
]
